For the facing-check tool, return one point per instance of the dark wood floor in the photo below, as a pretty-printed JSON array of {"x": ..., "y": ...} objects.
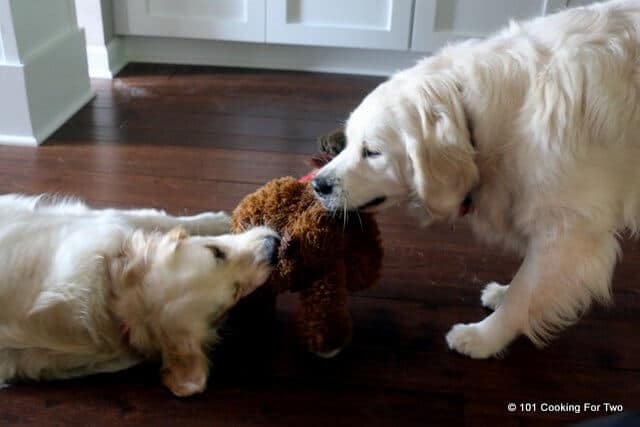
[{"x": 189, "y": 139}]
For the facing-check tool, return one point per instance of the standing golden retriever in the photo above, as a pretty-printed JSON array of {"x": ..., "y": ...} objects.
[
  {"x": 537, "y": 129},
  {"x": 85, "y": 291}
]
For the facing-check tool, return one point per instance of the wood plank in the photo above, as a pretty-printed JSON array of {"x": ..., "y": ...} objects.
[
  {"x": 209, "y": 123},
  {"x": 255, "y": 167},
  {"x": 203, "y": 89},
  {"x": 108, "y": 401},
  {"x": 82, "y": 135}
]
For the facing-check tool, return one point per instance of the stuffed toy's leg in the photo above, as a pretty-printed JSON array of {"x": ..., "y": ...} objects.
[{"x": 325, "y": 324}]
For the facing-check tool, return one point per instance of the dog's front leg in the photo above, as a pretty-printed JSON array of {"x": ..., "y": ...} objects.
[
  {"x": 203, "y": 224},
  {"x": 185, "y": 368},
  {"x": 554, "y": 286}
]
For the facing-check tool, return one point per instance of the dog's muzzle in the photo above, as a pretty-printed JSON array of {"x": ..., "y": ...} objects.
[
  {"x": 271, "y": 246},
  {"x": 322, "y": 186},
  {"x": 375, "y": 202}
]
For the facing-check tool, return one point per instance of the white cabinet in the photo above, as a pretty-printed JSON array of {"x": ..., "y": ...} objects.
[
  {"x": 574, "y": 3},
  {"x": 376, "y": 24},
  {"x": 437, "y": 22},
  {"x": 238, "y": 20},
  {"x": 308, "y": 34},
  {"x": 417, "y": 25}
]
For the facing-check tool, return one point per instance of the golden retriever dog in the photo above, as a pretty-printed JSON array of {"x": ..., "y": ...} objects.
[
  {"x": 84, "y": 291},
  {"x": 537, "y": 130}
]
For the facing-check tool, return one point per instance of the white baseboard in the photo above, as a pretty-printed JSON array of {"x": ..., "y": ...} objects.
[
  {"x": 254, "y": 55},
  {"x": 39, "y": 95},
  {"x": 55, "y": 122},
  {"x": 60, "y": 117},
  {"x": 18, "y": 140},
  {"x": 106, "y": 61},
  {"x": 15, "y": 118}
]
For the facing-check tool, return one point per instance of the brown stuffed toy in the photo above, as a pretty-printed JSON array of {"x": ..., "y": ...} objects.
[{"x": 322, "y": 256}]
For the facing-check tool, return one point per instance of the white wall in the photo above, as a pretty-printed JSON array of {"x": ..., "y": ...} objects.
[
  {"x": 7, "y": 36},
  {"x": 89, "y": 14},
  {"x": 107, "y": 19},
  {"x": 1, "y": 50},
  {"x": 104, "y": 53}
]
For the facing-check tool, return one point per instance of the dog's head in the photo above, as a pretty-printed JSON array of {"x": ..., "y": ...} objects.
[
  {"x": 173, "y": 283},
  {"x": 169, "y": 289},
  {"x": 407, "y": 140}
]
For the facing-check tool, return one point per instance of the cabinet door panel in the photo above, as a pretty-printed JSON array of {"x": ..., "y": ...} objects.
[
  {"x": 239, "y": 20},
  {"x": 437, "y": 22},
  {"x": 376, "y": 24}
]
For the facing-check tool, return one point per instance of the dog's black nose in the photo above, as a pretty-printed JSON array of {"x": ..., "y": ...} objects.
[
  {"x": 272, "y": 244},
  {"x": 322, "y": 185}
]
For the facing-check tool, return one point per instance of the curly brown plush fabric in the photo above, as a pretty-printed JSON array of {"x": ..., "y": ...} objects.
[{"x": 322, "y": 256}]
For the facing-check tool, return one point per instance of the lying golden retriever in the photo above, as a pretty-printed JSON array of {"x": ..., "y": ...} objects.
[
  {"x": 84, "y": 291},
  {"x": 536, "y": 130}
]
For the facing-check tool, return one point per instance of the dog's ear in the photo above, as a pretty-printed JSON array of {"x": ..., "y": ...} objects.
[
  {"x": 184, "y": 365},
  {"x": 174, "y": 238},
  {"x": 177, "y": 234},
  {"x": 442, "y": 155}
]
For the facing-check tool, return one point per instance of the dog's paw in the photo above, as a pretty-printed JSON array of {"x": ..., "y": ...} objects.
[
  {"x": 184, "y": 387},
  {"x": 492, "y": 295},
  {"x": 328, "y": 354},
  {"x": 209, "y": 224},
  {"x": 471, "y": 341},
  {"x": 187, "y": 389}
]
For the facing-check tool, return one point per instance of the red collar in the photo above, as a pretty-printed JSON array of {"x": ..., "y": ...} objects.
[
  {"x": 123, "y": 329},
  {"x": 308, "y": 177},
  {"x": 125, "y": 332},
  {"x": 466, "y": 206},
  {"x": 122, "y": 326}
]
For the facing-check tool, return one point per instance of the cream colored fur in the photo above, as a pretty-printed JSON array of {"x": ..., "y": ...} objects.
[
  {"x": 85, "y": 291},
  {"x": 541, "y": 125}
]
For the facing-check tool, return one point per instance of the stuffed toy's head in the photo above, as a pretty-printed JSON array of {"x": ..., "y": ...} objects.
[{"x": 322, "y": 256}]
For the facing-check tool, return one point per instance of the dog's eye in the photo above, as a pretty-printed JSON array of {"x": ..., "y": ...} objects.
[
  {"x": 217, "y": 252},
  {"x": 366, "y": 152}
]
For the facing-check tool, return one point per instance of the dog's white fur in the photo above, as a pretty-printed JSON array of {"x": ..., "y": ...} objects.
[
  {"x": 541, "y": 125},
  {"x": 84, "y": 291}
]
